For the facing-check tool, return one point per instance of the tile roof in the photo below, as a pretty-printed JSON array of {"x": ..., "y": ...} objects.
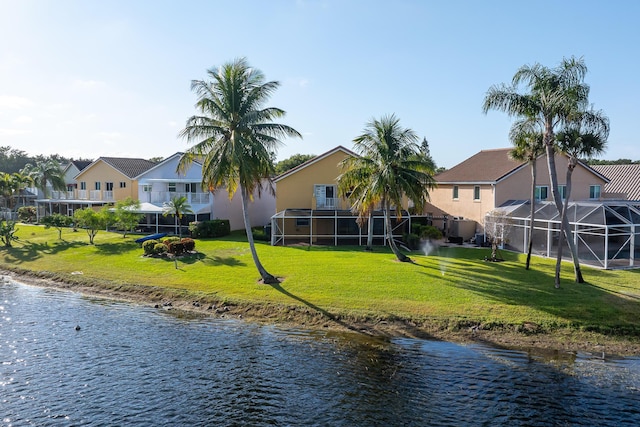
[
  {"x": 128, "y": 166},
  {"x": 624, "y": 179},
  {"x": 81, "y": 164},
  {"x": 485, "y": 166}
]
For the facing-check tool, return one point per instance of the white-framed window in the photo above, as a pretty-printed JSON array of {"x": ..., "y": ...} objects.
[
  {"x": 108, "y": 186},
  {"x": 97, "y": 185},
  {"x": 191, "y": 187},
  {"x": 455, "y": 192},
  {"x": 83, "y": 185},
  {"x": 542, "y": 192},
  {"x": 325, "y": 196},
  {"x": 123, "y": 184},
  {"x": 594, "y": 191},
  {"x": 476, "y": 192},
  {"x": 172, "y": 187},
  {"x": 146, "y": 188},
  {"x": 562, "y": 191}
]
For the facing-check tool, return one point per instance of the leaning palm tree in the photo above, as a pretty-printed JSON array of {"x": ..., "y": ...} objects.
[
  {"x": 46, "y": 172},
  {"x": 553, "y": 95},
  {"x": 528, "y": 145},
  {"x": 235, "y": 136},
  {"x": 389, "y": 168},
  {"x": 178, "y": 207},
  {"x": 585, "y": 136}
]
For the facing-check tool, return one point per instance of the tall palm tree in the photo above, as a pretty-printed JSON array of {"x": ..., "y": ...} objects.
[
  {"x": 390, "y": 168},
  {"x": 43, "y": 172},
  {"x": 554, "y": 94},
  {"x": 528, "y": 146},
  {"x": 584, "y": 136},
  {"x": 178, "y": 207},
  {"x": 235, "y": 136}
]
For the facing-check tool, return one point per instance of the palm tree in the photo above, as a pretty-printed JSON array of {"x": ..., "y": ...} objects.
[
  {"x": 528, "y": 146},
  {"x": 178, "y": 207},
  {"x": 235, "y": 136},
  {"x": 585, "y": 136},
  {"x": 390, "y": 168},
  {"x": 43, "y": 172},
  {"x": 554, "y": 94}
]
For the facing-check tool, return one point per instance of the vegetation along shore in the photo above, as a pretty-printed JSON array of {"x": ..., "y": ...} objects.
[{"x": 450, "y": 294}]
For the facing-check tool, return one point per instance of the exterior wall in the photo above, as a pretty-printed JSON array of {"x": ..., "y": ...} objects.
[
  {"x": 158, "y": 178},
  {"x": 260, "y": 209},
  {"x": 296, "y": 190},
  {"x": 464, "y": 206},
  {"x": 103, "y": 173}
]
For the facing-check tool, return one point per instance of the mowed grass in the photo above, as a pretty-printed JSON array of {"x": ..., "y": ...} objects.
[{"x": 454, "y": 285}]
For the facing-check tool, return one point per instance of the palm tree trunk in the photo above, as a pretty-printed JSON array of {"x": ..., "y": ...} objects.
[
  {"x": 370, "y": 232},
  {"x": 267, "y": 278},
  {"x": 392, "y": 243},
  {"x": 533, "y": 211},
  {"x": 567, "y": 230}
]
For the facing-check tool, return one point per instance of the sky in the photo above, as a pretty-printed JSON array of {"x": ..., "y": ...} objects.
[{"x": 90, "y": 78}]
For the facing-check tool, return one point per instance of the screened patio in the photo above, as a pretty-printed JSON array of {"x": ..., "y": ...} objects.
[{"x": 606, "y": 233}]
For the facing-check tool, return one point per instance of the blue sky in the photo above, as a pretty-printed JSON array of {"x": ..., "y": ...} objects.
[{"x": 112, "y": 78}]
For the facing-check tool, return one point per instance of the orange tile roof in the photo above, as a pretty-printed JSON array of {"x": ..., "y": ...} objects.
[{"x": 485, "y": 166}]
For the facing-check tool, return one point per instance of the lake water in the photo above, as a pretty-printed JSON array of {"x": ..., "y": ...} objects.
[{"x": 131, "y": 365}]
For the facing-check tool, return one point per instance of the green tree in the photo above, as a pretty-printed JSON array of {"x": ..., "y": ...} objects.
[
  {"x": 287, "y": 164},
  {"x": 46, "y": 171},
  {"x": 553, "y": 95},
  {"x": 7, "y": 232},
  {"x": 236, "y": 137},
  {"x": 57, "y": 221},
  {"x": 126, "y": 217},
  {"x": 389, "y": 168},
  {"x": 528, "y": 145},
  {"x": 91, "y": 221},
  {"x": 178, "y": 207}
]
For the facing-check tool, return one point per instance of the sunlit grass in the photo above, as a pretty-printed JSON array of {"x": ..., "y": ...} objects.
[{"x": 452, "y": 284}]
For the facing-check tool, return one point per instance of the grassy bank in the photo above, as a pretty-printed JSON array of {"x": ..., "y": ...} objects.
[{"x": 450, "y": 291}]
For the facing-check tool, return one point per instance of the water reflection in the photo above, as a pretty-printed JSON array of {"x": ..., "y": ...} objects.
[{"x": 133, "y": 365}]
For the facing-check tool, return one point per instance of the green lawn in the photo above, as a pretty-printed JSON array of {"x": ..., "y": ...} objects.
[{"x": 453, "y": 286}]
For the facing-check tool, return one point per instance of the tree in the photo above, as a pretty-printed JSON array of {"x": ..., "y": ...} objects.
[
  {"x": 7, "y": 232},
  {"x": 528, "y": 144},
  {"x": 287, "y": 164},
  {"x": 91, "y": 221},
  {"x": 497, "y": 226},
  {"x": 235, "y": 136},
  {"x": 57, "y": 221},
  {"x": 389, "y": 168},
  {"x": 46, "y": 171},
  {"x": 126, "y": 216},
  {"x": 177, "y": 207},
  {"x": 11, "y": 185},
  {"x": 553, "y": 95}
]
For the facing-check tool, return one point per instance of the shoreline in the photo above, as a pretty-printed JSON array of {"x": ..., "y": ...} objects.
[{"x": 566, "y": 341}]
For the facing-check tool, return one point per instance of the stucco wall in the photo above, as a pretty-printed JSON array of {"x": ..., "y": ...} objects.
[{"x": 103, "y": 173}]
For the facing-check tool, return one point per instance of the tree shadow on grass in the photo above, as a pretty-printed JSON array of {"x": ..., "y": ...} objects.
[
  {"x": 29, "y": 251},
  {"x": 208, "y": 260},
  {"x": 114, "y": 248}
]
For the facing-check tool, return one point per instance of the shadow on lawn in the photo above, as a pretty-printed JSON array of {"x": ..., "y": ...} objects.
[
  {"x": 209, "y": 260},
  {"x": 28, "y": 251}
]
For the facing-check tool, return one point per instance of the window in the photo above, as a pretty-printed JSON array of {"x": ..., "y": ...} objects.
[
  {"x": 325, "y": 196},
  {"x": 476, "y": 192},
  {"x": 97, "y": 185},
  {"x": 542, "y": 192},
  {"x": 455, "y": 192},
  {"x": 302, "y": 222},
  {"x": 172, "y": 187},
  {"x": 562, "y": 191},
  {"x": 123, "y": 184},
  {"x": 83, "y": 185},
  {"x": 594, "y": 191},
  {"x": 108, "y": 186},
  {"x": 191, "y": 187},
  {"x": 146, "y": 188}
]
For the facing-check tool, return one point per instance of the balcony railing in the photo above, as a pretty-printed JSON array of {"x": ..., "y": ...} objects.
[
  {"x": 327, "y": 203},
  {"x": 159, "y": 197},
  {"x": 82, "y": 194},
  {"x": 62, "y": 195}
]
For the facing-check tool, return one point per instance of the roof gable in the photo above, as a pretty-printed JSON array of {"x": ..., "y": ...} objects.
[
  {"x": 314, "y": 160},
  {"x": 129, "y": 167}
]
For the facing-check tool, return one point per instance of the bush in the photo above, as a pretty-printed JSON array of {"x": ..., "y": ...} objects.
[
  {"x": 210, "y": 228},
  {"x": 189, "y": 244},
  {"x": 260, "y": 234},
  {"x": 148, "y": 246},
  {"x": 175, "y": 248},
  {"x": 171, "y": 239},
  {"x": 27, "y": 214},
  {"x": 159, "y": 248},
  {"x": 430, "y": 232},
  {"x": 411, "y": 240}
]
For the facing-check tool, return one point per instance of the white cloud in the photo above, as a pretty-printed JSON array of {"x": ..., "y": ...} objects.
[
  {"x": 303, "y": 82},
  {"x": 13, "y": 132},
  {"x": 173, "y": 124},
  {"x": 88, "y": 84},
  {"x": 23, "y": 120},
  {"x": 15, "y": 102}
]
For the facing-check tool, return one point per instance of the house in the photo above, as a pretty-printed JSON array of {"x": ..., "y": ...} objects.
[
  {"x": 491, "y": 178},
  {"x": 624, "y": 180},
  {"x": 309, "y": 211},
  {"x": 70, "y": 172},
  {"x": 100, "y": 183},
  {"x": 161, "y": 183}
]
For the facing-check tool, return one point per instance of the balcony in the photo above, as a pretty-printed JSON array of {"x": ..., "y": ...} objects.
[
  {"x": 62, "y": 195},
  {"x": 328, "y": 203},
  {"x": 160, "y": 197}
]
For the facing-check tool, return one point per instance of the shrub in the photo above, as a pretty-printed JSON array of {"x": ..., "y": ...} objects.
[
  {"x": 411, "y": 240},
  {"x": 430, "y": 232},
  {"x": 171, "y": 239},
  {"x": 260, "y": 234},
  {"x": 210, "y": 228},
  {"x": 175, "y": 248},
  {"x": 159, "y": 248},
  {"x": 148, "y": 246},
  {"x": 27, "y": 214},
  {"x": 189, "y": 244}
]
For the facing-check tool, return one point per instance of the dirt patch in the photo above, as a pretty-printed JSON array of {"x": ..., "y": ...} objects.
[{"x": 522, "y": 337}]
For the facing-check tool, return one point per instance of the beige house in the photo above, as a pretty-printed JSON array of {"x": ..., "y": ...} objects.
[{"x": 491, "y": 178}]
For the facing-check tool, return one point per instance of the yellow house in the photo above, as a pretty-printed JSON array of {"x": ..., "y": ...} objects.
[{"x": 308, "y": 209}]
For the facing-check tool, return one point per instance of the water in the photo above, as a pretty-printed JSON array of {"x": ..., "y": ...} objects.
[{"x": 131, "y": 365}]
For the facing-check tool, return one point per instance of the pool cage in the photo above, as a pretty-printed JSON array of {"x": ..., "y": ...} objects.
[{"x": 606, "y": 233}]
